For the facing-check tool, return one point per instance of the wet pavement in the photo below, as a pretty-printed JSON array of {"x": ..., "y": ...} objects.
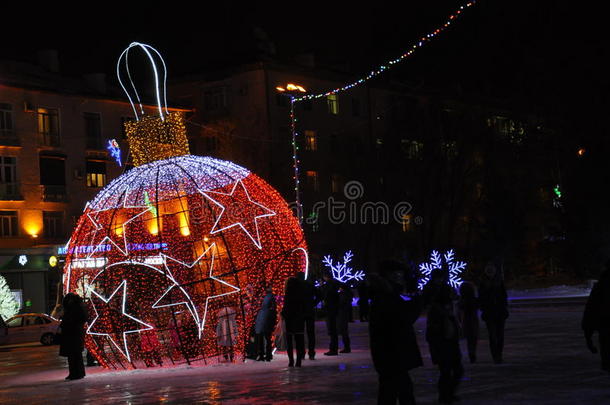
[{"x": 546, "y": 363}]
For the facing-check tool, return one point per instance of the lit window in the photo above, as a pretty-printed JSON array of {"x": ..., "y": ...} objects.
[
  {"x": 336, "y": 183},
  {"x": 333, "y": 104},
  {"x": 412, "y": 149},
  {"x": 96, "y": 173},
  {"x": 311, "y": 141},
  {"x": 312, "y": 180},
  {"x": 48, "y": 126},
  {"x": 406, "y": 222},
  {"x": 8, "y": 224},
  {"x": 449, "y": 149}
]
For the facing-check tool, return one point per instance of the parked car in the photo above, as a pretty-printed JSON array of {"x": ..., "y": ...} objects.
[{"x": 25, "y": 328}]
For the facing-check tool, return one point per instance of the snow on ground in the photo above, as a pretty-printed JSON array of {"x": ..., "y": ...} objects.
[
  {"x": 559, "y": 291},
  {"x": 547, "y": 363}
]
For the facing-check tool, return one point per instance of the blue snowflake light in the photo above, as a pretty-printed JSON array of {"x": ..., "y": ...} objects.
[
  {"x": 436, "y": 262},
  {"x": 341, "y": 270}
]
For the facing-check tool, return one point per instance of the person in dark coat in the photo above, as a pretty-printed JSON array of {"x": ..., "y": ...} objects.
[
  {"x": 493, "y": 303},
  {"x": 264, "y": 325},
  {"x": 72, "y": 338},
  {"x": 344, "y": 315},
  {"x": 363, "y": 302},
  {"x": 395, "y": 306},
  {"x": 596, "y": 318},
  {"x": 311, "y": 298},
  {"x": 469, "y": 317},
  {"x": 294, "y": 320},
  {"x": 443, "y": 335},
  {"x": 330, "y": 300}
]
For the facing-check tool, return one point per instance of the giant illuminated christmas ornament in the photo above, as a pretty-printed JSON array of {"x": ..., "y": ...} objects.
[
  {"x": 172, "y": 244},
  {"x": 453, "y": 267}
]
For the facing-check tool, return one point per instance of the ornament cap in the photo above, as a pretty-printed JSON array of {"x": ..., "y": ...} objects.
[{"x": 152, "y": 138}]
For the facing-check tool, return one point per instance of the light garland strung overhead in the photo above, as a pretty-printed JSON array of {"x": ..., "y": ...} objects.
[
  {"x": 381, "y": 69},
  {"x": 295, "y": 97}
]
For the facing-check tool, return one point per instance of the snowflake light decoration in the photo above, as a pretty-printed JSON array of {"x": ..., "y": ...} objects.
[
  {"x": 436, "y": 262},
  {"x": 341, "y": 270}
]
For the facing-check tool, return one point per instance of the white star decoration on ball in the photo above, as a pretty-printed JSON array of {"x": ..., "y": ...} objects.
[
  {"x": 209, "y": 253},
  {"x": 455, "y": 268},
  {"x": 238, "y": 205},
  {"x": 102, "y": 330},
  {"x": 110, "y": 232}
]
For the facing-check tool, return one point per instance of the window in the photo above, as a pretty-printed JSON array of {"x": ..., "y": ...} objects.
[
  {"x": 8, "y": 224},
  {"x": 413, "y": 149},
  {"x": 93, "y": 130},
  {"x": 449, "y": 149},
  {"x": 311, "y": 140},
  {"x": 336, "y": 183},
  {"x": 123, "y": 121},
  {"x": 312, "y": 180},
  {"x": 96, "y": 173},
  {"x": 216, "y": 98},
  {"x": 8, "y": 177},
  {"x": 406, "y": 223},
  {"x": 53, "y": 222},
  {"x": 52, "y": 171},
  {"x": 333, "y": 104},
  {"x": 15, "y": 322},
  {"x": 48, "y": 126},
  {"x": 355, "y": 107},
  {"x": 512, "y": 131},
  {"x": 7, "y": 137},
  {"x": 32, "y": 320}
]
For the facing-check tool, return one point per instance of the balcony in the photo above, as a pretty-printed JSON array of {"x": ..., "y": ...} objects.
[
  {"x": 54, "y": 193},
  {"x": 8, "y": 138},
  {"x": 10, "y": 192}
]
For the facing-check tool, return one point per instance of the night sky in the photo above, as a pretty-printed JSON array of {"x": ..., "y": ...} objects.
[{"x": 547, "y": 54}]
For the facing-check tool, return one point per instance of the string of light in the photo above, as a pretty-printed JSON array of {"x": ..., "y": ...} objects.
[
  {"x": 382, "y": 68},
  {"x": 374, "y": 73}
]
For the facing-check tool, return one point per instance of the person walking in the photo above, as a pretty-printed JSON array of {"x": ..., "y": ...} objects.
[
  {"x": 395, "y": 306},
  {"x": 311, "y": 298},
  {"x": 330, "y": 294},
  {"x": 294, "y": 320},
  {"x": 264, "y": 325},
  {"x": 596, "y": 318},
  {"x": 72, "y": 335},
  {"x": 344, "y": 315},
  {"x": 469, "y": 318},
  {"x": 442, "y": 335},
  {"x": 226, "y": 331},
  {"x": 493, "y": 302}
]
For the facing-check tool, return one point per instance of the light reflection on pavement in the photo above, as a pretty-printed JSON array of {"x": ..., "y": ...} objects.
[{"x": 546, "y": 363}]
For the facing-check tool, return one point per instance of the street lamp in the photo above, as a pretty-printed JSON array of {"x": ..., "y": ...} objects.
[{"x": 292, "y": 91}]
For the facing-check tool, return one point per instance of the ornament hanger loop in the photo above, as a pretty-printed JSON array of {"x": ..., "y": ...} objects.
[{"x": 160, "y": 86}]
